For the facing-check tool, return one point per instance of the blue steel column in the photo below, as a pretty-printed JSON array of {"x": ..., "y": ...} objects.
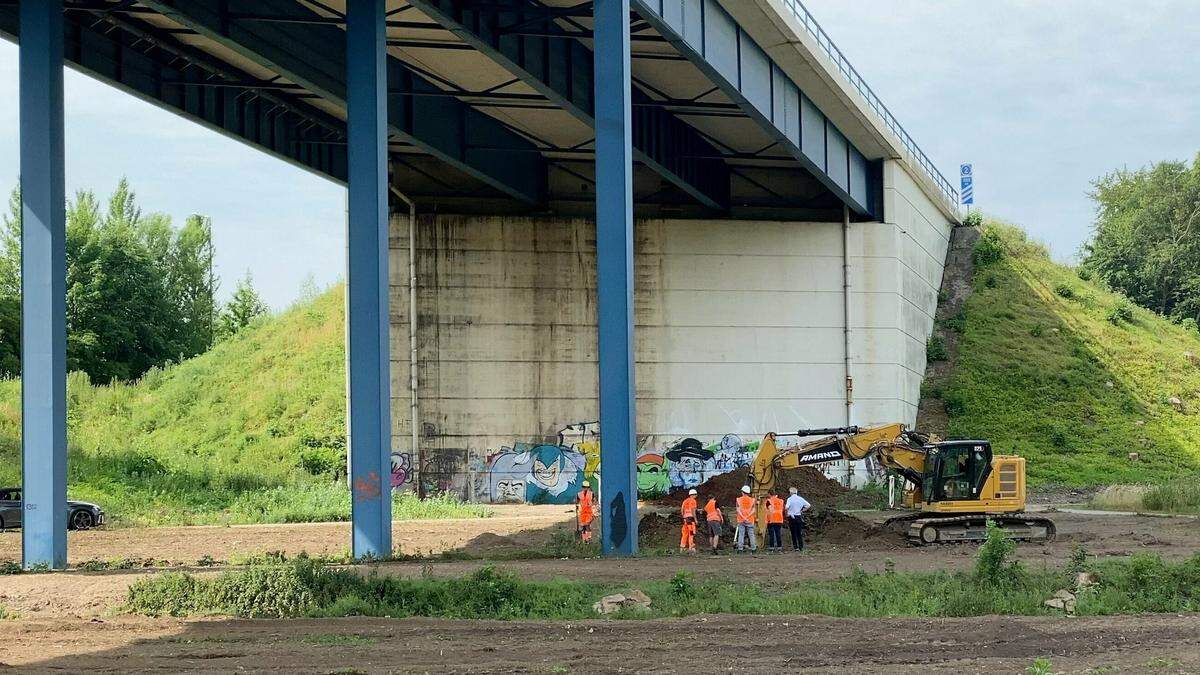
[
  {"x": 43, "y": 286},
  {"x": 614, "y": 286},
  {"x": 367, "y": 278}
]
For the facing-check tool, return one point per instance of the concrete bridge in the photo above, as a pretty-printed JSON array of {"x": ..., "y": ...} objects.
[{"x": 671, "y": 224}]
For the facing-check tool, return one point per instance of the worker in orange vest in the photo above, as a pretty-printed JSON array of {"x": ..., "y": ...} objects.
[
  {"x": 746, "y": 511},
  {"x": 687, "y": 537},
  {"x": 713, "y": 515},
  {"x": 585, "y": 511},
  {"x": 775, "y": 523}
]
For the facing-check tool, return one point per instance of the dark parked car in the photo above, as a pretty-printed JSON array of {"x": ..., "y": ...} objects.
[{"x": 80, "y": 515}]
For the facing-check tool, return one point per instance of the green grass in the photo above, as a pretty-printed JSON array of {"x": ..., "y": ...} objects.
[
  {"x": 1179, "y": 495},
  {"x": 1142, "y": 583},
  {"x": 254, "y": 431},
  {"x": 1070, "y": 375}
]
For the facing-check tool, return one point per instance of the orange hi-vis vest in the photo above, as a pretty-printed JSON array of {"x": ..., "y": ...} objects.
[
  {"x": 689, "y": 507},
  {"x": 585, "y": 506},
  {"x": 774, "y": 509},
  {"x": 711, "y": 510},
  {"x": 745, "y": 509}
]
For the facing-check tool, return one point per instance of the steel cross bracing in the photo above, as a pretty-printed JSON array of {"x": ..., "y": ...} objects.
[
  {"x": 140, "y": 59},
  {"x": 314, "y": 55},
  {"x": 562, "y": 71}
]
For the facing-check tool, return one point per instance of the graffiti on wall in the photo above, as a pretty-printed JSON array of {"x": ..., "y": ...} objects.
[
  {"x": 402, "y": 471},
  {"x": 553, "y": 472}
]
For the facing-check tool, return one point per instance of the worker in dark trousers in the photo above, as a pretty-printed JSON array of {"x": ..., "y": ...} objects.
[
  {"x": 794, "y": 508},
  {"x": 775, "y": 511}
]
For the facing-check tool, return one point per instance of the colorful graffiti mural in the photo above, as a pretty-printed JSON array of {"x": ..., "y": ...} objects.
[
  {"x": 536, "y": 474},
  {"x": 652, "y": 478},
  {"x": 553, "y": 473}
]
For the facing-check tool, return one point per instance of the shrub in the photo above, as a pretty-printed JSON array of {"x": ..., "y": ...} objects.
[
  {"x": 322, "y": 461},
  {"x": 935, "y": 349},
  {"x": 958, "y": 322},
  {"x": 1084, "y": 273},
  {"x": 973, "y": 219},
  {"x": 682, "y": 586},
  {"x": 994, "y": 565},
  {"x": 956, "y": 403},
  {"x": 1189, "y": 324},
  {"x": 1065, "y": 291},
  {"x": 1079, "y": 560},
  {"x": 1122, "y": 312},
  {"x": 1036, "y": 331},
  {"x": 173, "y": 593},
  {"x": 988, "y": 250},
  {"x": 264, "y": 591}
]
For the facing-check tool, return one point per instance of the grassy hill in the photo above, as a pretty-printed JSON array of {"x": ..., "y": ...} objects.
[
  {"x": 1073, "y": 377},
  {"x": 252, "y": 431}
]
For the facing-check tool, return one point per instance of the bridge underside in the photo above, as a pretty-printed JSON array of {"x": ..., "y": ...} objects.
[{"x": 604, "y": 109}]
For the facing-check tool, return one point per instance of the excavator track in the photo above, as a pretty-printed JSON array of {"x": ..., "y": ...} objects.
[{"x": 924, "y": 530}]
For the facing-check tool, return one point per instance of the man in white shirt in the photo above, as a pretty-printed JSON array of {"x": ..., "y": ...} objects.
[{"x": 794, "y": 509}]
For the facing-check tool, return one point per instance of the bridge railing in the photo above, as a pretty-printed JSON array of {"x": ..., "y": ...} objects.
[{"x": 843, "y": 65}]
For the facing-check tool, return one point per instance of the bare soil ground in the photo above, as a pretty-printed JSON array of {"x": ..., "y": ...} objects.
[
  {"x": 186, "y": 545},
  {"x": 65, "y": 621},
  {"x": 1134, "y": 644}
]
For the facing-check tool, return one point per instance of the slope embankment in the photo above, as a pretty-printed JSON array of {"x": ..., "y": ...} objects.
[{"x": 1052, "y": 366}]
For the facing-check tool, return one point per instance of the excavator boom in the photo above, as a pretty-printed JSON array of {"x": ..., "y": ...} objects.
[
  {"x": 895, "y": 447},
  {"x": 957, "y": 486}
]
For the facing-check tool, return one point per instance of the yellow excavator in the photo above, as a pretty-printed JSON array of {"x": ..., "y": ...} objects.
[{"x": 955, "y": 487}]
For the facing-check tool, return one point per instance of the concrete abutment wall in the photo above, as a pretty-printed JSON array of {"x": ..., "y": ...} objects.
[{"x": 739, "y": 331}]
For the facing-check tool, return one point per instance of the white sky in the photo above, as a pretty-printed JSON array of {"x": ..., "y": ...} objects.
[{"x": 1041, "y": 96}]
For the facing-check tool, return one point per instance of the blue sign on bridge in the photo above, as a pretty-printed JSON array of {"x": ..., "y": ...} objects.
[{"x": 967, "y": 179}]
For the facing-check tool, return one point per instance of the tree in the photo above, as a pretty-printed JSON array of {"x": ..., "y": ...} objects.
[
  {"x": 194, "y": 284},
  {"x": 1145, "y": 241},
  {"x": 242, "y": 309},
  {"x": 140, "y": 293}
]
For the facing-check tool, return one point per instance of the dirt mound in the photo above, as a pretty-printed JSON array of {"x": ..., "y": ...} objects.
[
  {"x": 488, "y": 542},
  {"x": 809, "y": 482},
  {"x": 822, "y": 525},
  {"x": 835, "y": 527}
]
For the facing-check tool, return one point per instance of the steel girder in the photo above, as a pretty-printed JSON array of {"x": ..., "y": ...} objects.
[
  {"x": 714, "y": 42},
  {"x": 132, "y": 56},
  {"x": 614, "y": 279},
  {"x": 562, "y": 70},
  {"x": 314, "y": 55},
  {"x": 368, "y": 377},
  {"x": 43, "y": 287}
]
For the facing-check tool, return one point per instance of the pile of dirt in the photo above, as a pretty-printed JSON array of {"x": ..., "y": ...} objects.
[
  {"x": 813, "y": 485},
  {"x": 822, "y": 525},
  {"x": 835, "y": 527}
]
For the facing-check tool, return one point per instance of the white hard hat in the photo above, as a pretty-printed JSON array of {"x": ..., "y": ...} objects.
[
  {"x": 746, "y": 489},
  {"x": 693, "y": 492},
  {"x": 587, "y": 484}
]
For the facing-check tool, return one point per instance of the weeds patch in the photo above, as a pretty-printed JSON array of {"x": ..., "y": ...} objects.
[{"x": 1144, "y": 583}]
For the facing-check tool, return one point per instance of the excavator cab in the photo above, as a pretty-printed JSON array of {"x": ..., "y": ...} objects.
[{"x": 957, "y": 471}]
